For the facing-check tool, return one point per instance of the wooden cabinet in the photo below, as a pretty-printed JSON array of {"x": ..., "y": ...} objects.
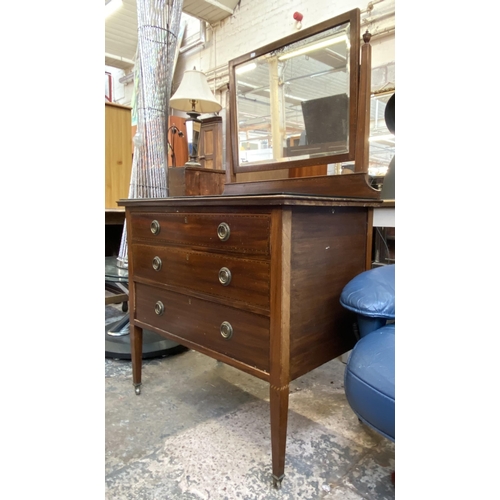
[
  {"x": 195, "y": 181},
  {"x": 118, "y": 153},
  {"x": 253, "y": 281},
  {"x": 208, "y": 178},
  {"x": 210, "y": 148}
]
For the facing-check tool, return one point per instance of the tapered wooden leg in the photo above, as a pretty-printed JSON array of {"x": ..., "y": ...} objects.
[
  {"x": 136, "y": 352},
  {"x": 279, "y": 337},
  {"x": 279, "y": 420}
]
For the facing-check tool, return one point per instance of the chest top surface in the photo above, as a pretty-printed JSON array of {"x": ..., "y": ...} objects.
[{"x": 270, "y": 200}]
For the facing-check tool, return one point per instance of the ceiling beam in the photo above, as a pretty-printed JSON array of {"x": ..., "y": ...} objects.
[
  {"x": 220, "y": 6},
  {"x": 119, "y": 58}
]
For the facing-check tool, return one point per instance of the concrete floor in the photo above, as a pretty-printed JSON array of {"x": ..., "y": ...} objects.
[{"x": 200, "y": 430}]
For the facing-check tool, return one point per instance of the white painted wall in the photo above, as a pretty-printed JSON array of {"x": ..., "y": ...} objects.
[{"x": 258, "y": 22}]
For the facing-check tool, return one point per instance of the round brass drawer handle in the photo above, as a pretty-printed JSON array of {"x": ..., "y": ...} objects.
[
  {"x": 223, "y": 231},
  {"x": 225, "y": 276},
  {"x": 155, "y": 227},
  {"x": 159, "y": 308},
  {"x": 157, "y": 263},
  {"x": 226, "y": 330}
]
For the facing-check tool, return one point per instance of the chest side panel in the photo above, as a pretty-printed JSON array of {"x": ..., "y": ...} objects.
[{"x": 328, "y": 249}]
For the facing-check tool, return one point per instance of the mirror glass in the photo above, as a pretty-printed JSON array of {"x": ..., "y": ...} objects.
[
  {"x": 294, "y": 103},
  {"x": 382, "y": 140}
]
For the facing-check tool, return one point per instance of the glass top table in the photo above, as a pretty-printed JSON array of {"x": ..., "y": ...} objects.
[
  {"x": 117, "y": 334},
  {"x": 113, "y": 272}
]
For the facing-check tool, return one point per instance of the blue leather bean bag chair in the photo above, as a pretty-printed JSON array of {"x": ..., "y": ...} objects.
[
  {"x": 369, "y": 380},
  {"x": 371, "y": 295}
]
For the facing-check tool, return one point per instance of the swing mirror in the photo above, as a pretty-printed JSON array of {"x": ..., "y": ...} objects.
[{"x": 294, "y": 102}]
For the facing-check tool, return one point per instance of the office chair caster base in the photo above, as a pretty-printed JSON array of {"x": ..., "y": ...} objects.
[{"x": 117, "y": 342}]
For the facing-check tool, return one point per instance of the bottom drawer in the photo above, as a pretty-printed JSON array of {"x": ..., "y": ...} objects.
[{"x": 200, "y": 321}]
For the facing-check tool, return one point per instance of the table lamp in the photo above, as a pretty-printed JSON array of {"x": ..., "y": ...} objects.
[{"x": 194, "y": 97}]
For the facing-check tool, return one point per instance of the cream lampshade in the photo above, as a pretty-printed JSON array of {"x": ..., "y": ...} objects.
[
  {"x": 194, "y": 94},
  {"x": 194, "y": 97}
]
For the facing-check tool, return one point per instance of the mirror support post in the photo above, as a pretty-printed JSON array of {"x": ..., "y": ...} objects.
[
  {"x": 230, "y": 174},
  {"x": 363, "y": 119},
  {"x": 276, "y": 108}
]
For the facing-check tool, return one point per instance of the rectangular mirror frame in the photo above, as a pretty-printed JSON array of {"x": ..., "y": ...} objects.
[{"x": 353, "y": 18}]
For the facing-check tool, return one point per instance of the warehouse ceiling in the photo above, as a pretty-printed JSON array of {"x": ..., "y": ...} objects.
[{"x": 121, "y": 27}]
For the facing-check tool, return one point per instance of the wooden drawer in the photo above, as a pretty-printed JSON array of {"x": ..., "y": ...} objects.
[
  {"x": 200, "y": 321},
  {"x": 199, "y": 271},
  {"x": 247, "y": 233}
]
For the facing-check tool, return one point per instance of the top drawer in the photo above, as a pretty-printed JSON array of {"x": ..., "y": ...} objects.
[{"x": 244, "y": 233}]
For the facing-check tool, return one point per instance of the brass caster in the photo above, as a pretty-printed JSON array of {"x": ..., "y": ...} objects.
[
  {"x": 138, "y": 389},
  {"x": 277, "y": 481}
]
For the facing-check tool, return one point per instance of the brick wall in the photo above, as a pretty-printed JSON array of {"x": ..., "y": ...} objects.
[{"x": 258, "y": 22}]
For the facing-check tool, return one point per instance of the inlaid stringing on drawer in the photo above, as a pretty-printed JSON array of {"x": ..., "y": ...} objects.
[
  {"x": 245, "y": 233},
  {"x": 234, "y": 278},
  {"x": 238, "y": 334}
]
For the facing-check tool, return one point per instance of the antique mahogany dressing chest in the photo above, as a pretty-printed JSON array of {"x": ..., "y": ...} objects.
[
  {"x": 253, "y": 281},
  {"x": 253, "y": 277}
]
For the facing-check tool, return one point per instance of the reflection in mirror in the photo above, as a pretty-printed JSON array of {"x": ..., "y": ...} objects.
[
  {"x": 293, "y": 103},
  {"x": 382, "y": 140}
]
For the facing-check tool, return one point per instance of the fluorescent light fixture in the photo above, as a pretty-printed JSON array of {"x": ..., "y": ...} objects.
[
  {"x": 314, "y": 46},
  {"x": 288, "y": 95},
  {"x": 246, "y": 68},
  {"x": 111, "y": 6},
  {"x": 322, "y": 73},
  {"x": 247, "y": 85},
  {"x": 294, "y": 97}
]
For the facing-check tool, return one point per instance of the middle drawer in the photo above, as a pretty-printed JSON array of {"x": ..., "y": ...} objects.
[{"x": 240, "y": 279}]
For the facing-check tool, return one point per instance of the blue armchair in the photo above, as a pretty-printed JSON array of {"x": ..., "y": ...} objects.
[
  {"x": 369, "y": 379},
  {"x": 371, "y": 295}
]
